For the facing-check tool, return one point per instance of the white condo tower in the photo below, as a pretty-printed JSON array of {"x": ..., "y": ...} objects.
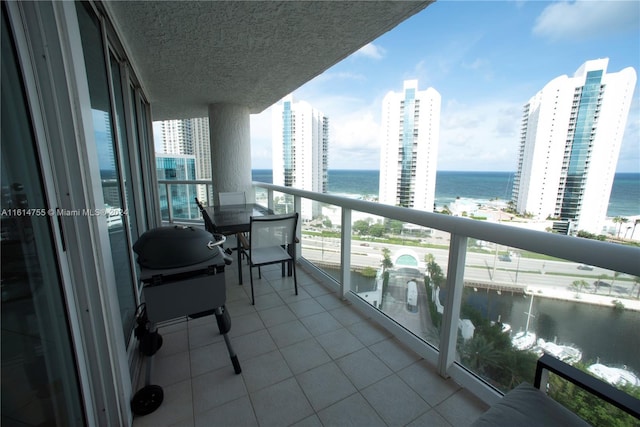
[
  {"x": 569, "y": 145},
  {"x": 191, "y": 136},
  {"x": 300, "y": 140},
  {"x": 409, "y": 148}
]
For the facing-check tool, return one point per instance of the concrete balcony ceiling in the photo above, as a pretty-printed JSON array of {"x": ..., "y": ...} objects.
[{"x": 189, "y": 54}]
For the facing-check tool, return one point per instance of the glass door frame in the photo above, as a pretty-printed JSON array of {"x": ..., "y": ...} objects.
[{"x": 50, "y": 53}]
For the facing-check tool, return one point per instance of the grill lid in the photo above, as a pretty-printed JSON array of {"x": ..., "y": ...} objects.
[{"x": 175, "y": 246}]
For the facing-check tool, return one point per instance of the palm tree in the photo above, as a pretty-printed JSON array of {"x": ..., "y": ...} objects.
[
  {"x": 386, "y": 259},
  {"x": 620, "y": 220},
  {"x": 636, "y": 282},
  {"x": 601, "y": 278},
  {"x": 615, "y": 276},
  {"x": 479, "y": 354},
  {"x": 578, "y": 285},
  {"x": 634, "y": 226}
]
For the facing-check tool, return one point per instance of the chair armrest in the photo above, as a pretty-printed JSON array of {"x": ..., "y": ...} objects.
[{"x": 593, "y": 385}]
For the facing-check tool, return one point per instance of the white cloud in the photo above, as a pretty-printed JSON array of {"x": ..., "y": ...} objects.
[
  {"x": 371, "y": 50},
  {"x": 353, "y": 132},
  {"x": 328, "y": 76},
  {"x": 261, "y": 140},
  {"x": 479, "y": 137},
  {"x": 158, "y": 140},
  {"x": 353, "y": 141},
  {"x": 585, "y": 19},
  {"x": 629, "y": 159}
]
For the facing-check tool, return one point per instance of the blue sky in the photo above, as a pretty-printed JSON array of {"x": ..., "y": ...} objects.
[{"x": 486, "y": 59}]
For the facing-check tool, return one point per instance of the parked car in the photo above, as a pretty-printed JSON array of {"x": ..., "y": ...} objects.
[
  {"x": 585, "y": 267},
  {"x": 504, "y": 258}
]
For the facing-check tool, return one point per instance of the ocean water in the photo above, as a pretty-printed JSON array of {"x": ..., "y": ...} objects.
[{"x": 476, "y": 186}]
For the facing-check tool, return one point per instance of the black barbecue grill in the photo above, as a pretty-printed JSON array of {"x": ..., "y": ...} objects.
[{"x": 181, "y": 269}]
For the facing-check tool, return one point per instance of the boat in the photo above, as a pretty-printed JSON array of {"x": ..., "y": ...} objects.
[
  {"x": 504, "y": 327},
  {"x": 524, "y": 340},
  {"x": 615, "y": 376},
  {"x": 564, "y": 352}
]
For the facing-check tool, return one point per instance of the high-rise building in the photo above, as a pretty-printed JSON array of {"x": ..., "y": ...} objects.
[
  {"x": 187, "y": 137},
  {"x": 177, "y": 167},
  {"x": 177, "y": 137},
  {"x": 569, "y": 146},
  {"x": 300, "y": 139},
  {"x": 409, "y": 147}
]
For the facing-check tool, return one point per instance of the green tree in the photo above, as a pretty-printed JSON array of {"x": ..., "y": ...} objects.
[
  {"x": 377, "y": 230},
  {"x": 386, "y": 259},
  {"x": 636, "y": 284},
  {"x": 620, "y": 220},
  {"x": 480, "y": 355},
  {"x": 394, "y": 226},
  {"x": 615, "y": 276},
  {"x": 579, "y": 285},
  {"x": 361, "y": 227},
  {"x": 589, "y": 407},
  {"x": 434, "y": 271},
  {"x": 369, "y": 272},
  {"x": 601, "y": 278}
]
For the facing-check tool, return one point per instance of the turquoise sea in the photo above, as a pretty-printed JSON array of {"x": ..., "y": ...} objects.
[{"x": 477, "y": 186}]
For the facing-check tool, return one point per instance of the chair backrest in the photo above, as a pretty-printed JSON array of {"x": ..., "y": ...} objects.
[
  {"x": 208, "y": 223},
  {"x": 232, "y": 198},
  {"x": 200, "y": 207},
  {"x": 273, "y": 230}
]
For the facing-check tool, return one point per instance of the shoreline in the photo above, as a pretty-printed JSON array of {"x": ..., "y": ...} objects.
[{"x": 583, "y": 297}]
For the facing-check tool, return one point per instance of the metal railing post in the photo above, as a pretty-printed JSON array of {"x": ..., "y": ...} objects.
[
  {"x": 297, "y": 205},
  {"x": 169, "y": 203},
  {"x": 451, "y": 315},
  {"x": 270, "y": 199},
  {"x": 345, "y": 252}
]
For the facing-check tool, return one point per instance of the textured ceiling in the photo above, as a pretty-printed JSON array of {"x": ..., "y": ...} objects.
[{"x": 189, "y": 54}]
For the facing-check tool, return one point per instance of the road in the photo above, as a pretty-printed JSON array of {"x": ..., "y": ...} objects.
[{"x": 480, "y": 267}]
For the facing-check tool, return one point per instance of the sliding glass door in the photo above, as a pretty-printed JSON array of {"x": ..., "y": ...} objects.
[
  {"x": 39, "y": 373},
  {"x": 111, "y": 142}
]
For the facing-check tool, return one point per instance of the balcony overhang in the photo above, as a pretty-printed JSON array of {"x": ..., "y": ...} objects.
[{"x": 189, "y": 54}]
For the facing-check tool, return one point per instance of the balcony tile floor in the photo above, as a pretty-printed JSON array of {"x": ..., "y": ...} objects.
[{"x": 307, "y": 360}]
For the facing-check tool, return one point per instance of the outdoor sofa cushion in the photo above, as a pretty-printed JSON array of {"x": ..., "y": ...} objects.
[{"x": 526, "y": 406}]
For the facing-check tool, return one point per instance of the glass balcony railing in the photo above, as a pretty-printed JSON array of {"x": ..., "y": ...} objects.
[
  {"x": 480, "y": 300},
  {"x": 177, "y": 199}
]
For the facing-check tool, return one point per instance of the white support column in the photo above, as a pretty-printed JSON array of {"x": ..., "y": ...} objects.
[
  {"x": 451, "y": 315},
  {"x": 229, "y": 130}
]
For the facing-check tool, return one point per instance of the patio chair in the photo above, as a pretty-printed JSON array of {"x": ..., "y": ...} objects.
[
  {"x": 232, "y": 198},
  {"x": 208, "y": 224},
  {"x": 271, "y": 241}
]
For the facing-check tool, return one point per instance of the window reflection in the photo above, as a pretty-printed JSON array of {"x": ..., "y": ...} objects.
[
  {"x": 113, "y": 178},
  {"x": 39, "y": 378}
]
